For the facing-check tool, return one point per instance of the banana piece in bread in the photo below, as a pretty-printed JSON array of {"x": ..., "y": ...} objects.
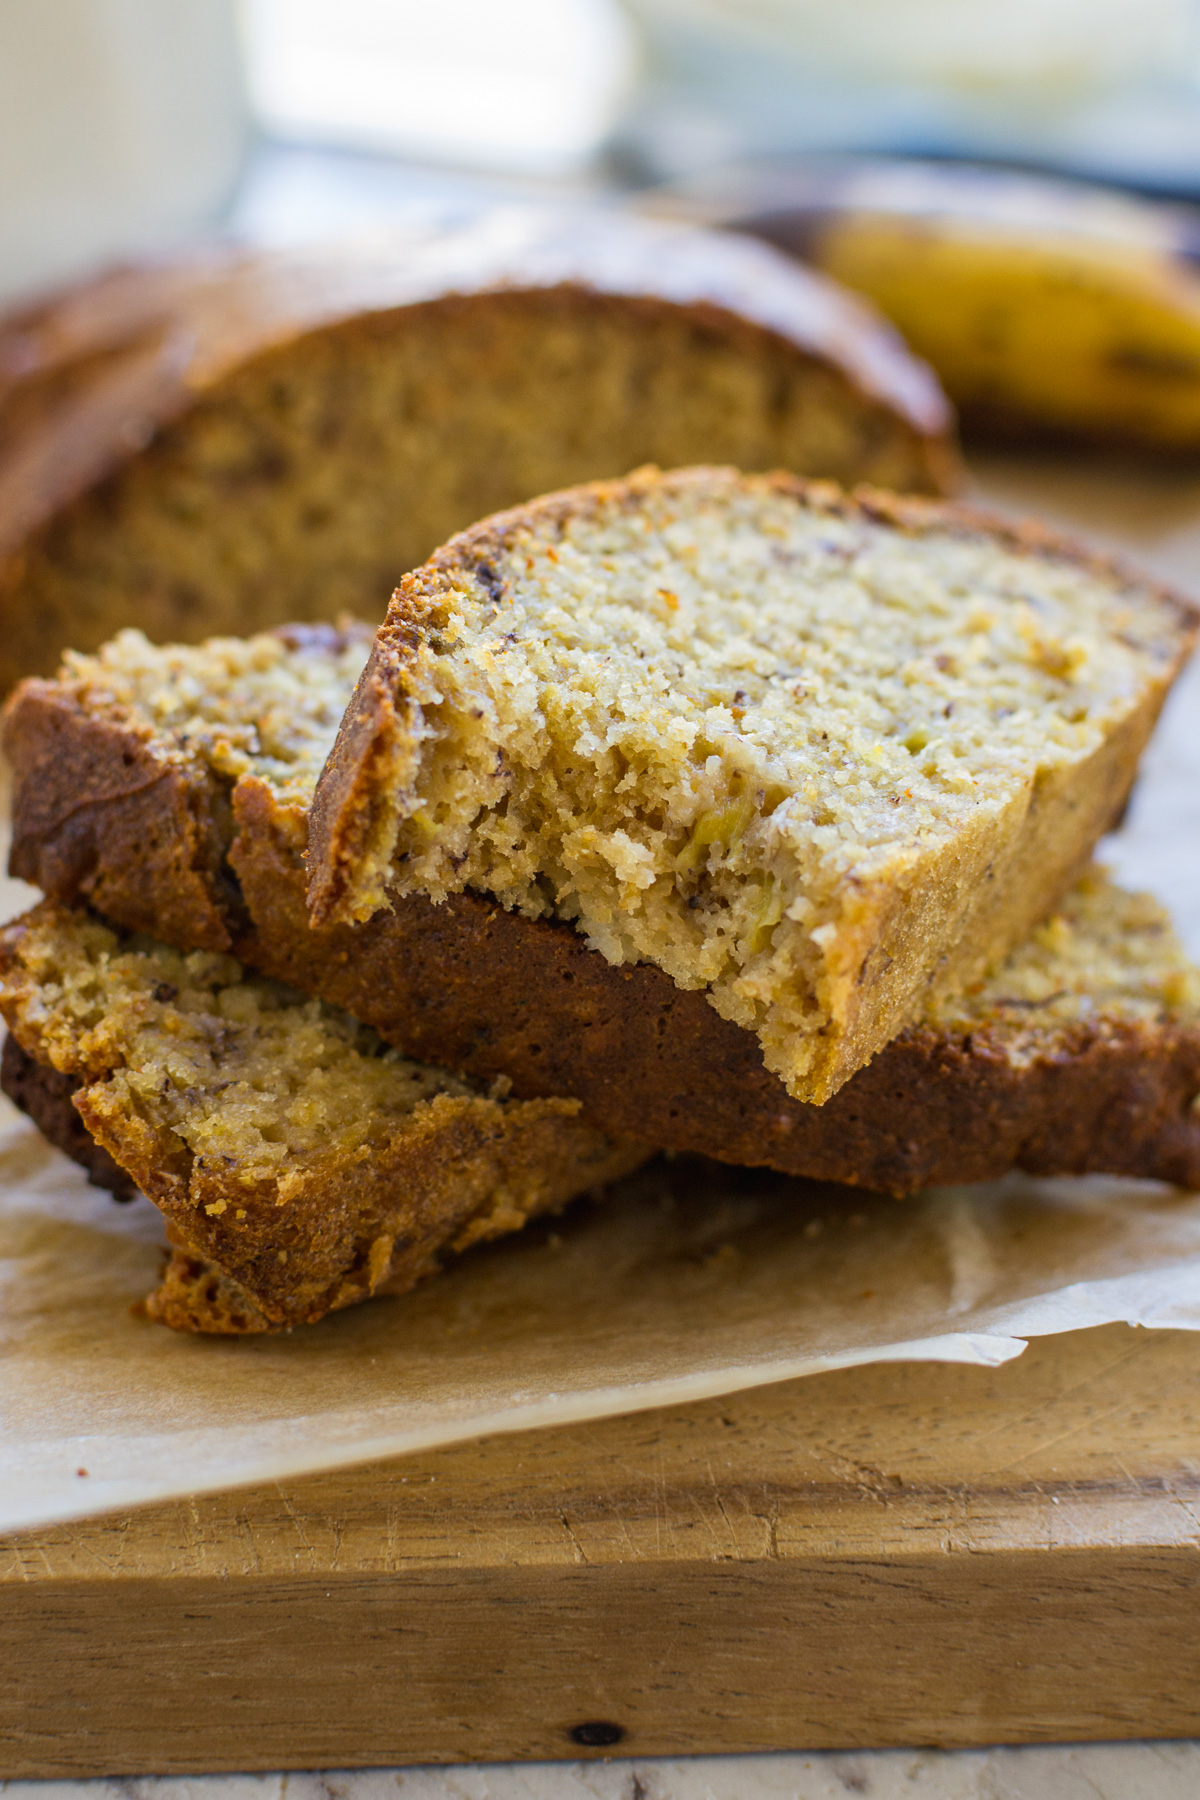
[
  {"x": 170, "y": 785},
  {"x": 228, "y": 441},
  {"x": 301, "y": 1164},
  {"x": 814, "y": 756}
]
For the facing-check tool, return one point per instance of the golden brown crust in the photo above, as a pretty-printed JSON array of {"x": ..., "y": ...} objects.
[
  {"x": 105, "y": 810},
  {"x": 45, "y": 1095},
  {"x": 128, "y": 394}
]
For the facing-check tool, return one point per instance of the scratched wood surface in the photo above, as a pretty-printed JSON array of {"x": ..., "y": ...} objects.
[{"x": 913, "y": 1554}]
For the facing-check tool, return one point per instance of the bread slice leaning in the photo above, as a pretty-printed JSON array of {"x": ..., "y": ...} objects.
[
  {"x": 812, "y": 755},
  {"x": 300, "y": 1163},
  {"x": 169, "y": 786}
]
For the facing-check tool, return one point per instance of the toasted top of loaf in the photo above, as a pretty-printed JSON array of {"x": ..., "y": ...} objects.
[
  {"x": 725, "y": 724},
  {"x": 226, "y": 441},
  {"x": 285, "y": 1142}
]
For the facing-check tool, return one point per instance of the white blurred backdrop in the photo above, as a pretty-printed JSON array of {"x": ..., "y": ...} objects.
[{"x": 128, "y": 124}]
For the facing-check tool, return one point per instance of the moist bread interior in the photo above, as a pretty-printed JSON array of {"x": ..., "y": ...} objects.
[
  {"x": 248, "y": 1073},
  {"x": 1107, "y": 959},
  {"x": 1079, "y": 1051},
  {"x": 267, "y": 705},
  {"x": 723, "y": 724}
]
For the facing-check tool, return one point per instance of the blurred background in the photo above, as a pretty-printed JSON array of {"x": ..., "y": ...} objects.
[{"x": 129, "y": 124}]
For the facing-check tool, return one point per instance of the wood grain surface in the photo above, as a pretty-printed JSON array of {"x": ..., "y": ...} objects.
[{"x": 905, "y": 1554}]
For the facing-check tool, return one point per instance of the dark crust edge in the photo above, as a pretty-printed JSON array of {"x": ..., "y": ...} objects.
[
  {"x": 196, "y": 1295},
  {"x": 44, "y": 1095},
  {"x": 104, "y": 810},
  {"x": 140, "y": 830},
  {"x": 475, "y": 988},
  {"x": 344, "y": 805}
]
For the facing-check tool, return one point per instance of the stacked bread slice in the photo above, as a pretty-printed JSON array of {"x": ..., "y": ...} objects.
[
  {"x": 815, "y": 757},
  {"x": 697, "y": 811},
  {"x": 227, "y": 440},
  {"x": 301, "y": 1164}
]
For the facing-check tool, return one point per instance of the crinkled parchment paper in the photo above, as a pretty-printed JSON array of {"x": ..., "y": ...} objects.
[{"x": 691, "y": 1281}]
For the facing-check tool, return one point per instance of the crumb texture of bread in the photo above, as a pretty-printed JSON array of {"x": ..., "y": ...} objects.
[
  {"x": 125, "y": 765},
  {"x": 1107, "y": 959},
  {"x": 285, "y": 1143},
  {"x": 268, "y": 705},
  {"x": 806, "y": 753},
  {"x": 224, "y": 443}
]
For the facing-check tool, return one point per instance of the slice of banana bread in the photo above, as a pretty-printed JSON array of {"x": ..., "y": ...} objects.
[
  {"x": 806, "y": 753},
  {"x": 300, "y": 1163},
  {"x": 114, "y": 804},
  {"x": 227, "y": 441},
  {"x": 125, "y": 767}
]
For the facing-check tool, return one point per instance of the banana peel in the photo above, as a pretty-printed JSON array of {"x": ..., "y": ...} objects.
[{"x": 1050, "y": 310}]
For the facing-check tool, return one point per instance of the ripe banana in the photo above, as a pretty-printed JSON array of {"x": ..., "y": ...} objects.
[{"x": 1049, "y": 309}]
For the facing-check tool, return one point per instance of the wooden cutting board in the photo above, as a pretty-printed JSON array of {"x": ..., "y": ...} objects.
[{"x": 906, "y": 1554}]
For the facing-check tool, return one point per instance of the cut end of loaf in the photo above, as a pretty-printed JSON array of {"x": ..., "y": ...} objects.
[{"x": 318, "y": 421}]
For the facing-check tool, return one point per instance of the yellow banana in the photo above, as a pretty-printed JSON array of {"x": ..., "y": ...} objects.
[{"x": 1048, "y": 308}]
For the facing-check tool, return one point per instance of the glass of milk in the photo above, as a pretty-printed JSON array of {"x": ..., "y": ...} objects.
[{"x": 123, "y": 126}]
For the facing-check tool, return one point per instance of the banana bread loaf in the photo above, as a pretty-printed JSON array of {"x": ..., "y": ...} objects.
[
  {"x": 300, "y": 1163},
  {"x": 805, "y": 753},
  {"x": 226, "y": 442},
  {"x": 144, "y": 776}
]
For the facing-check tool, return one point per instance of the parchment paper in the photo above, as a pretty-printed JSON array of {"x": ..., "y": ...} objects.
[{"x": 692, "y": 1281}]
